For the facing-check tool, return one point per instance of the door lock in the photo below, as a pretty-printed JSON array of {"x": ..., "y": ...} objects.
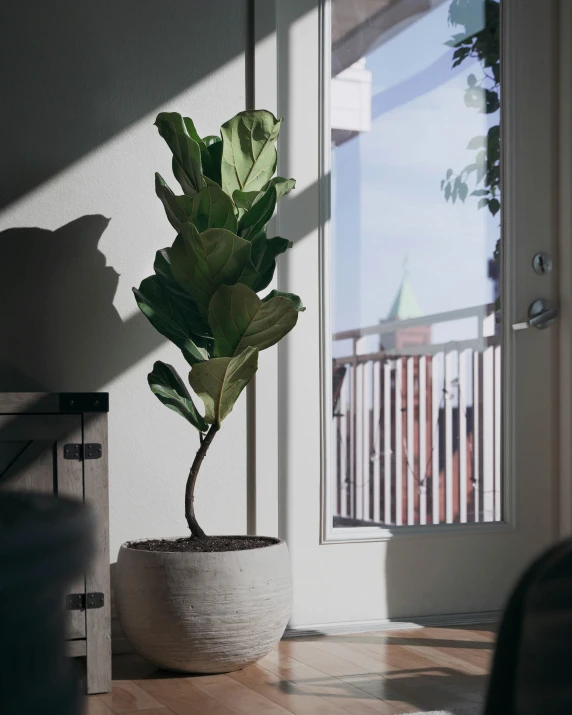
[
  {"x": 542, "y": 314},
  {"x": 542, "y": 263}
]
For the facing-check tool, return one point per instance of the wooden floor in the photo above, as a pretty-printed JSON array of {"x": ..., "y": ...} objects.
[{"x": 386, "y": 672}]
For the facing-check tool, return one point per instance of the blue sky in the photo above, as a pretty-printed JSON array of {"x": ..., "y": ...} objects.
[{"x": 387, "y": 202}]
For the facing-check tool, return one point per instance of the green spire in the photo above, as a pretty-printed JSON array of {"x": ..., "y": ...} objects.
[{"x": 405, "y": 305}]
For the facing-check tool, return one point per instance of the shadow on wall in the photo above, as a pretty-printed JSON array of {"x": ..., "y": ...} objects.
[
  {"x": 60, "y": 330},
  {"x": 74, "y": 74}
]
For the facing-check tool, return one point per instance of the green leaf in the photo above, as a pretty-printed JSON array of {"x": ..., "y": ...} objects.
[
  {"x": 449, "y": 173},
  {"x": 201, "y": 262},
  {"x": 219, "y": 382},
  {"x": 249, "y": 151},
  {"x": 186, "y": 152},
  {"x": 260, "y": 269},
  {"x": 463, "y": 190},
  {"x": 494, "y": 206},
  {"x": 209, "y": 208},
  {"x": 171, "y": 391},
  {"x": 214, "y": 146},
  {"x": 482, "y": 203},
  {"x": 243, "y": 201},
  {"x": 180, "y": 298},
  {"x": 471, "y": 80},
  {"x": 239, "y": 319},
  {"x": 291, "y": 296},
  {"x": 168, "y": 317},
  {"x": 177, "y": 208},
  {"x": 492, "y": 101},
  {"x": 162, "y": 266},
  {"x": 212, "y": 208},
  {"x": 254, "y": 220},
  {"x": 283, "y": 186},
  {"x": 207, "y": 166},
  {"x": 480, "y": 192}
]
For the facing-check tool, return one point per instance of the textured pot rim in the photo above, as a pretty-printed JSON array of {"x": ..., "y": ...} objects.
[{"x": 126, "y": 546}]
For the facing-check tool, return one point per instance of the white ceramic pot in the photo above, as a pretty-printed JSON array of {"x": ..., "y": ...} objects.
[{"x": 200, "y": 612}]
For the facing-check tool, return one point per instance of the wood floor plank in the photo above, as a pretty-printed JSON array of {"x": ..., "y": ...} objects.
[
  {"x": 477, "y": 640},
  {"x": 450, "y": 634},
  {"x": 126, "y": 696},
  {"x": 287, "y": 667},
  {"x": 339, "y": 692},
  {"x": 403, "y": 659},
  {"x": 348, "y": 649},
  {"x": 380, "y": 673},
  {"x": 236, "y": 696},
  {"x": 290, "y": 695},
  {"x": 319, "y": 658},
  {"x": 179, "y": 695},
  {"x": 354, "y": 700},
  {"x": 94, "y": 706}
]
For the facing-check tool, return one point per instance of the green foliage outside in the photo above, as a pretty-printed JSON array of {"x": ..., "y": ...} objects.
[{"x": 481, "y": 177}]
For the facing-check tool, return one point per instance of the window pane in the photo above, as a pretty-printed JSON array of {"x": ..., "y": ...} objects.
[{"x": 415, "y": 275}]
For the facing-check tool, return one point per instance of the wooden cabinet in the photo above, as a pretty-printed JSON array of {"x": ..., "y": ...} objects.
[{"x": 57, "y": 443}]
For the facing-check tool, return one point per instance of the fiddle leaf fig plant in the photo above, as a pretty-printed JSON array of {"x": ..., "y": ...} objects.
[{"x": 203, "y": 294}]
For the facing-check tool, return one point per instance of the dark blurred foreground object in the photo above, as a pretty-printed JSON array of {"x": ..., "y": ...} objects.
[
  {"x": 44, "y": 543},
  {"x": 532, "y": 667}
]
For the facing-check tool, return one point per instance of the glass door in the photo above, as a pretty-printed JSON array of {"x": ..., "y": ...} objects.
[
  {"x": 415, "y": 274},
  {"x": 417, "y": 451}
]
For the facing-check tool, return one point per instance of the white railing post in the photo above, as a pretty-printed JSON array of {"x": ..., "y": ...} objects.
[
  {"x": 344, "y": 454},
  {"x": 464, "y": 357},
  {"x": 437, "y": 384},
  {"x": 422, "y": 440},
  {"x": 377, "y": 448},
  {"x": 360, "y": 457},
  {"x": 366, "y": 432},
  {"x": 387, "y": 471},
  {"x": 497, "y": 433},
  {"x": 398, "y": 443},
  {"x": 488, "y": 434},
  {"x": 410, "y": 414},
  {"x": 448, "y": 404}
]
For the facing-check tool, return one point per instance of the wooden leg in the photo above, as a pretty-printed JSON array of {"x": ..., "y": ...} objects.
[{"x": 98, "y": 620}]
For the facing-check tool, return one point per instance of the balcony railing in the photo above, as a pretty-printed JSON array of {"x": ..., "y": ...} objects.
[{"x": 417, "y": 429}]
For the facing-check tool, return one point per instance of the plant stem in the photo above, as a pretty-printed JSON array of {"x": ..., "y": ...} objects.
[{"x": 196, "y": 531}]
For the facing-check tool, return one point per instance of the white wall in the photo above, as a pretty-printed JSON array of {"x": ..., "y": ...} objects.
[{"x": 69, "y": 316}]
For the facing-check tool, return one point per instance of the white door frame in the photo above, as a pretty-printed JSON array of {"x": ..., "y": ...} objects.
[{"x": 274, "y": 410}]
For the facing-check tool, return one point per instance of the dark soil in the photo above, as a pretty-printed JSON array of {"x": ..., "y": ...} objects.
[{"x": 207, "y": 544}]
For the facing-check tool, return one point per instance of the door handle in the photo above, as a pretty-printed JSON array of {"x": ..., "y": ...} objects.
[{"x": 541, "y": 314}]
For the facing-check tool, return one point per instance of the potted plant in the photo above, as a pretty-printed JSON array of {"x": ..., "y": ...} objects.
[{"x": 212, "y": 604}]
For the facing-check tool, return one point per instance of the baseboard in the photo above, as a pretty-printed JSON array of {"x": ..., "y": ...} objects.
[{"x": 391, "y": 624}]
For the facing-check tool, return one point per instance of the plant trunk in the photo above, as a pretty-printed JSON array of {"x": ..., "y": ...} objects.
[{"x": 196, "y": 531}]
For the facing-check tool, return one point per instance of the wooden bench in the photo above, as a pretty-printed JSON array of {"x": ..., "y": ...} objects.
[{"x": 57, "y": 443}]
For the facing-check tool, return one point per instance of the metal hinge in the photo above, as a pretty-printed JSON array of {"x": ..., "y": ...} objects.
[
  {"x": 82, "y": 451},
  {"x": 82, "y": 601}
]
